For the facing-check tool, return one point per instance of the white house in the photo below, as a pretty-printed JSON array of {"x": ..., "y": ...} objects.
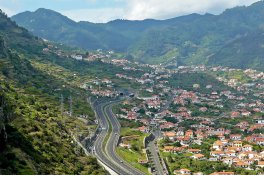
[
  {"x": 77, "y": 57},
  {"x": 182, "y": 171},
  {"x": 247, "y": 148}
]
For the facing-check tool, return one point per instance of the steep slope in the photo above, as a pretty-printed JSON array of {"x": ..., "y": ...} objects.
[
  {"x": 117, "y": 35},
  {"x": 246, "y": 51},
  {"x": 195, "y": 37},
  {"x": 35, "y": 138},
  {"x": 59, "y": 28},
  {"x": 190, "y": 39}
]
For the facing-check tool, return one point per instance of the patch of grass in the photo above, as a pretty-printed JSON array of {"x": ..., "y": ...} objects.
[
  {"x": 135, "y": 153},
  {"x": 132, "y": 158},
  {"x": 238, "y": 75}
]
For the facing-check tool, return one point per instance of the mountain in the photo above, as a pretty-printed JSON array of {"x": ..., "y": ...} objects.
[
  {"x": 247, "y": 51},
  {"x": 62, "y": 29},
  {"x": 190, "y": 39},
  {"x": 35, "y": 137}
]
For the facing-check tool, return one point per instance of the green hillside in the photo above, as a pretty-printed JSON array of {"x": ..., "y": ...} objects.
[
  {"x": 191, "y": 39},
  {"x": 35, "y": 138},
  {"x": 249, "y": 47}
]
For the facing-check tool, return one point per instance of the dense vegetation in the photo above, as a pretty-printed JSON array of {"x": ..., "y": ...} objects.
[
  {"x": 188, "y": 80},
  {"x": 135, "y": 153},
  {"x": 35, "y": 137},
  {"x": 39, "y": 139},
  {"x": 232, "y": 38}
]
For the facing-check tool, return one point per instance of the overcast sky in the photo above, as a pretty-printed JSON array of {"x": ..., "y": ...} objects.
[{"x": 106, "y": 10}]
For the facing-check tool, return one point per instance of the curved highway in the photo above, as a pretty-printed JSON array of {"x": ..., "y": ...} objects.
[
  {"x": 99, "y": 143},
  {"x": 113, "y": 141},
  {"x": 105, "y": 150}
]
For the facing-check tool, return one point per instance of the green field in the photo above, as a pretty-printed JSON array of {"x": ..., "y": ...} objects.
[
  {"x": 132, "y": 158},
  {"x": 136, "y": 152}
]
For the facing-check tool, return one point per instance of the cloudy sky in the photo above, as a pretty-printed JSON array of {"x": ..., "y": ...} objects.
[{"x": 106, "y": 10}]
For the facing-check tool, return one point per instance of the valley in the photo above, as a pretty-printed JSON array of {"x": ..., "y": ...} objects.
[
  {"x": 232, "y": 38},
  {"x": 177, "y": 96}
]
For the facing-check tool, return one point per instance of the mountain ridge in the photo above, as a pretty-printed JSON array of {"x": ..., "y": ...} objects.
[{"x": 189, "y": 39}]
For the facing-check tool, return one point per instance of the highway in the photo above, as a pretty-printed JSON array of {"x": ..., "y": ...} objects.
[
  {"x": 99, "y": 143},
  {"x": 107, "y": 140}
]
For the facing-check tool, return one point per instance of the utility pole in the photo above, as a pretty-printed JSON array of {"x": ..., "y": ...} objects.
[
  {"x": 70, "y": 106},
  {"x": 62, "y": 105}
]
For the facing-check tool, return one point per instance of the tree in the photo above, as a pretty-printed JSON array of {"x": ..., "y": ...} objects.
[
  {"x": 177, "y": 144},
  {"x": 6, "y": 115},
  {"x": 3, "y": 134}
]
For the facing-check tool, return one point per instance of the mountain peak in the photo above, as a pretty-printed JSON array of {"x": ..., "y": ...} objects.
[
  {"x": 42, "y": 16},
  {"x": 47, "y": 11},
  {"x": 185, "y": 37}
]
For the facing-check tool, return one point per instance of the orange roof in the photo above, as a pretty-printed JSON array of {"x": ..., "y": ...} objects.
[
  {"x": 170, "y": 134},
  {"x": 230, "y": 152},
  {"x": 189, "y": 131},
  {"x": 218, "y": 142},
  {"x": 247, "y": 146},
  {"x": 231, "y": 149},
  {"x": 217, "y": 152},
  {"x": 238, "y": 142},
  {"x": 223, "y": 173},
  {"x": 194, "y": 150},
  {"x": 168, "y": 147},
  {"x": 241, "y": 163},
  {"x": 198, "y": 155},
  {"x": 261, "y": 163}
]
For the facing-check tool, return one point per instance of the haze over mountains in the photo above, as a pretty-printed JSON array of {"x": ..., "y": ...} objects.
[{"x": 233, "y": 38}]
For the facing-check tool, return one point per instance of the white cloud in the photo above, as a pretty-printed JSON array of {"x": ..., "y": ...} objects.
[
  {"x": 7, "y": 11},
  {"x": 95, "y": 15},
  {"x": 10, "y": 9},
  {"x": 156, "y": 9}
]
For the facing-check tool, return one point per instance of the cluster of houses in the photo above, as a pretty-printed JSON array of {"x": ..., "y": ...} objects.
[
  {"x": 133, "y": 79},
  {"x": 100, "y": 87},
  {"x": 233, "y": 150},
  {"x": 236, "y": 153},
  {"x": 185, "y": 171},
  {"x": 256, "y": 82},
  {"x": 237, "y": 149},
  {"x": 103, "y": 93},
  {"x": 91, "y": 56}
]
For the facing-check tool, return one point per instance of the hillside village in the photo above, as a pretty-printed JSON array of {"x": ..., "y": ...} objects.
[
  {"x": 130, "y": 92},
  {"x": 192, "y": 117},
  {"x": 228, "y": 120}
]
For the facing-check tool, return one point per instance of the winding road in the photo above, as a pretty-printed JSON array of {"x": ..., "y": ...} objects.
[{"x": 107, "y": 140}]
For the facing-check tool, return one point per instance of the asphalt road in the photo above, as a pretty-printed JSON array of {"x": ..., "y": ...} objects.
[
  {"x": 168, "y": 103},
  {"x": 107, "y": 154},
  {"x": 99, "y": 143},
  {"x": 154, "y": 153}
]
